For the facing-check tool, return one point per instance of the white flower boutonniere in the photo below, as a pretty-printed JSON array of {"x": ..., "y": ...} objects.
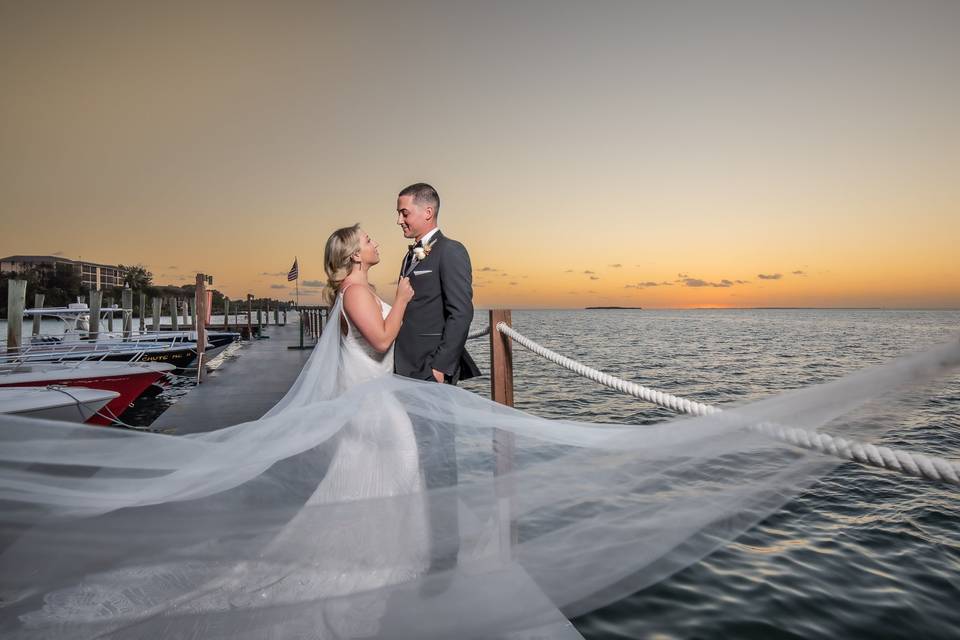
[{"x": 421, "y": 253}]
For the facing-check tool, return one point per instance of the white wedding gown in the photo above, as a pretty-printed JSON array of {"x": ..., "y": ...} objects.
[
  {"x": 375, "y": 459},
  {"x": 311, "y": 522}
]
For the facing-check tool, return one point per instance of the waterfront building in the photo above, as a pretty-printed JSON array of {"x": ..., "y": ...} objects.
[{"x": 92, "y": 274}]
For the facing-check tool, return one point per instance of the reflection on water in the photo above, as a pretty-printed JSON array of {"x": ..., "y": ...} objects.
[{"x": 862, "y": 553}]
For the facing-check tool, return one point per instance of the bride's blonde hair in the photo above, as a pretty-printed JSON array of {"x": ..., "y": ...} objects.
[{"x": 338, "y": 257}]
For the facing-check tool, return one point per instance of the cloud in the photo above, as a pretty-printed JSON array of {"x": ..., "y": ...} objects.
[
  {"x": 513, "y": 284},
  {"x": 57, "y": 253},
  {"x": 278, "y": 286},
  {"x": 616, "y": 266},
  {"x": 594, "y": 277},
  {"x": 682, "y": 276},
  {"x": 489, "y": 269},
  {"x": 648, "y": 284},
  {"x": 798, "y": 272},
  {"x": 698, "y": 282},
  {"x": 569, "y": 271},
  {"x": 588, "y": 272},
  {"x": 772, "y": 276},
  {"x": 278, "y": 273},
  {"x": 173, "y": 267},
  {"x": 314, "y": 283},
  {"x": 741, "y": 281}
]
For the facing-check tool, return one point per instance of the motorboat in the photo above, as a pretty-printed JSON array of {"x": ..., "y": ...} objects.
[
  {"x": 69, "y": 404},
  {"x": 128, "y": 379},
  {"x": 76, "y": 343}
]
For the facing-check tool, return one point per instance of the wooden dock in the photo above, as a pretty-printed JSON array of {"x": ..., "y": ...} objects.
[{"x": 259, "y": 374}]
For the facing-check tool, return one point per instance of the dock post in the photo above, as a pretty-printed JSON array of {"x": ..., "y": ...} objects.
[
  {"x": 16, "y": 300},
  {"x": 157, "y": 306},
  {"x": 185, "y": 309},
  {"x": 226, "y": 313},
  {"x": 126, "y": 301},
  {"x": 174, "y": 314},
  {"x": 284, "y": 316},
  {"x": 300, "y": 311},
  {"x": 143, "y": 312},
  {"x": 200, "y": 321},
  {"x": 249, "y": 317},
  {"x": 276, "y": 316},
  {"x": 37, "y": 304},
  {"x": 501, "y": 390},
  {"x": 96, "y": 297},
  {"x": 260, "y": 320},
  {"x": 110, "y": 315}
]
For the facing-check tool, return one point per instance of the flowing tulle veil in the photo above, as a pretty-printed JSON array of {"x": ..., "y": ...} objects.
[{"x": 113, "y": 533}]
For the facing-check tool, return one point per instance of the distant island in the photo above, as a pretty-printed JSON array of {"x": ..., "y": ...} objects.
[{"x": 613, "y": 307}]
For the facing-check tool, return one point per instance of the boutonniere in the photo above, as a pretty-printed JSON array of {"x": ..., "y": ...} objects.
[{"x": 421, "y": 253}]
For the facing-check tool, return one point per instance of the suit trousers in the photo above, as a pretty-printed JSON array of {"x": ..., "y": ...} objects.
[{"x": 438, "y": 459}]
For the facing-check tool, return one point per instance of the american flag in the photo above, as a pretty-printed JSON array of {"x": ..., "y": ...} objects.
[{"x": 294, "y": 271}]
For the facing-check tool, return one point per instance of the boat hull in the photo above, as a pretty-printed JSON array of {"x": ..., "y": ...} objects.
[{"x": 129, "y": 385}]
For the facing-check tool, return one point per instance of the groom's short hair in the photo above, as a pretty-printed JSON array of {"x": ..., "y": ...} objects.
[{"x": 424, "y": 195}]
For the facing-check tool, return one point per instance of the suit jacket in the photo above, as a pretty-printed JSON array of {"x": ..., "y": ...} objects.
[{"x": 437, "y": 320}]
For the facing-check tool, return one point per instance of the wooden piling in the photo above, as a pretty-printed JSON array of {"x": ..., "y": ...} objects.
[
  {"x": 16, "y": 301},
  {"x": 96, "y": 298},
  {"x": 185, "y": 310},
  {"x": 226, "y": 314},
  {"x": 174, "y": 314},
  {"x": 501, "y": 390},
  {"x": 143, "y": 312},
  {"x": 37, "y": 304},
  {"x": 126, "y": 301},
  {"x": 110, "y": 315},
  {"x": 276, "y": 316},
  {"x": 200, "y": 321},
  {"x": 249, "y": 317},
  {"x": 157, "y": 308}
]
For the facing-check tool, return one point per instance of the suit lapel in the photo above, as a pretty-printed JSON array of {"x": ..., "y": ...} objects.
[{"x": 436, "y": 238}]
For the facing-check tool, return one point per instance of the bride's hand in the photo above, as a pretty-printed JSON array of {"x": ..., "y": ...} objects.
[{"x": 404, "y": 290}]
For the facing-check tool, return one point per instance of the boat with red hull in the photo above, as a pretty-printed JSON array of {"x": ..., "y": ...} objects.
[{"x": 129, "y": 379}]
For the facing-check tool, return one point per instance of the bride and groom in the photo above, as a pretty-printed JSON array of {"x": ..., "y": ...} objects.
[{"x": 422, "y": 336}]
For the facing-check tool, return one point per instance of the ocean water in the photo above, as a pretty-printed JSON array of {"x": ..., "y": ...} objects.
[{"x": 862, "y": 553}]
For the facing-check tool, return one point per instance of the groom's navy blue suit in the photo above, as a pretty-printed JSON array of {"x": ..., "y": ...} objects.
[{"x": 433, "y": 335}]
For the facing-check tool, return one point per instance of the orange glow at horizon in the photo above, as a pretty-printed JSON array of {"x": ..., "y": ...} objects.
[{"x": 716, "y": 165}]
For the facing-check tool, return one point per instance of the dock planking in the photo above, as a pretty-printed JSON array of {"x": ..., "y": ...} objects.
[{"x": 243, "y": 389}]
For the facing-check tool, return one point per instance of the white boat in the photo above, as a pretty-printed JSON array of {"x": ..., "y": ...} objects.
[
  {"x": 129, "y": 379},
  {"x": 73, "y": 404}
]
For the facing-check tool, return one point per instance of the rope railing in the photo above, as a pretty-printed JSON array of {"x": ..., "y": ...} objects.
[
  {"x": 478, "y": 334},
  {"x": 913, "y": 464}
]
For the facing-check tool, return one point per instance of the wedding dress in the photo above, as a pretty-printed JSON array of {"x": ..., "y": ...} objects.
[{"x": 310, "y": 522}]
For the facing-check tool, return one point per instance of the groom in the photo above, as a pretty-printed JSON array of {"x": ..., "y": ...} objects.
[{"x": 430, "y": 346}]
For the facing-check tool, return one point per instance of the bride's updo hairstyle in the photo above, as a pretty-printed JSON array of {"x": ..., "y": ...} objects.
[{"x": 338, "y": 257}]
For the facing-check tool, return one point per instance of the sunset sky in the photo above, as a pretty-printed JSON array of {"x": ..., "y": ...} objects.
[{"x": 655, "y": 154}]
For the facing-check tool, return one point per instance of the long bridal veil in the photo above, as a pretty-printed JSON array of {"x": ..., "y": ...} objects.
[{"x": 113, "y": 533}]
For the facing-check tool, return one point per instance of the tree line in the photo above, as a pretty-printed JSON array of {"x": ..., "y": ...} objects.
[{"x": 60, "y": 284}]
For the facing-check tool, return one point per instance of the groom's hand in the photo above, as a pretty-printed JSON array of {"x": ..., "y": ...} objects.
[{"x": 438, "y": 375}]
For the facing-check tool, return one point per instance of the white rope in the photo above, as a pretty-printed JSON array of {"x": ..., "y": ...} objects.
[
  {"x": 913, "y": 464},
  {"x": 479, "y": 334}
]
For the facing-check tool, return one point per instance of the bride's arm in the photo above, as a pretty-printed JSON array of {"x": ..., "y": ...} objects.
[{"x": 363, "y": 309}]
